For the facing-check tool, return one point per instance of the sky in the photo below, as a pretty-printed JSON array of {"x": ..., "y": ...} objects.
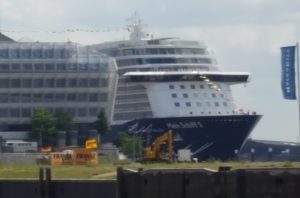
[{"x": 245, "y": 35}]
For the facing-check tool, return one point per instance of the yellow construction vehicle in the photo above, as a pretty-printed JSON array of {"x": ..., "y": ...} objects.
[{"x": 155, "y": 153}]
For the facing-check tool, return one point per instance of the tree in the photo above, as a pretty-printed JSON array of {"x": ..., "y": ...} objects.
[
  {"x": 63, "y": 121},
  {"x": 43, "y": 126},
  {"x": 131, "y": 145},
  {"x": 101, "y": 123}
]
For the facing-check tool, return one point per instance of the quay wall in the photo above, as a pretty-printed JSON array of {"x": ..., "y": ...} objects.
[{"x": 163, "y": 183}]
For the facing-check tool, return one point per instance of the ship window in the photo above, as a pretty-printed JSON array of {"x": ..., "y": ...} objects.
[
  {"x": 222, "y": 95},
  {"x": 174, "y": 95},
  {"x": 198, "y": 104},
  {"x": 182, "y": 86},
  {"x": 171, "y": 86},
  {"x": 193, "y": 87},
  {"x": 185, "y": 95},
  {"x": 225, "y": 104},
  {"x": 202, "y": 86},
  {"x": 195, "y": 95},
  {"x": 213, "y": 95},
  {"x": 208, "y": 104},
  {"x": 216, "y": 104},
  {"x": 188, "y": 104},
  {"x": 177, "y": 104}
]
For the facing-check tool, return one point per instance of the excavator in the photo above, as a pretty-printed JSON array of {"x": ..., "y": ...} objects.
[{"x": 155, "y": 153}]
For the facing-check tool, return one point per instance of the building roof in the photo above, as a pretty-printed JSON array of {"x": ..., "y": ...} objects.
[{"x": 5, "y": 38}]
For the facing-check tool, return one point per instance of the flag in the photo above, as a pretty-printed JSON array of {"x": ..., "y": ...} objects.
[{"x": 288, "y": 84}]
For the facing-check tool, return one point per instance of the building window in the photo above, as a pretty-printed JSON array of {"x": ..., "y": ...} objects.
[
  {"x": 59, "y": 97},
  {"x": 38, "y": 83},
  {"x": 26, "y": 112},
  {"x": 61, "y": 67},
  {"x": 201, "y": 86},
  {"x": 177, "y": 104},
  {"x": 26, "y": 83},
  {"x": 216, "y": 104},
  {"x": 193, "y": 87},
  {"x": 188, "y": 104},
  {"x": 174, "y": 95},
  {"x": 4, "y": 83},
  {"x": 71, "y": 97},
  {"x": 14, "y": 97},
  {"x": 27, "y": 67},
  {"x": 38, "y": 67},
  {"x": 185, "y": 95},
  {"x": 49, "y": 83},
  {"x": 93, "y": 111},
  {"x": 182, "y": 87},
  {"x": 225, "y": 104},
  {"x": 49, "y": 97},
  {"x": 15, "y": 112},
  {"x": 3, "y": 112},
  {"x": 37, "y": 98},
  {"x": 82, "y": 97},
  {"x": 81, "y": 112},
  {"x": 16, "y": 67},
  {"x": 26, "y": 98},
  {"x": 171, "y": 86},
  {"x": 222, "y": 95},
  {"x": 213, "y": 95},
  {"x": 82, "y": 82},
  {"x": 72, "y": 82},
  {"x": 15, "y": 83},
  {"x": 94, "y": 82},
  {"x": 94, "y": 97},
  {"x": 49, "y": 67},
  {"x": 61, "y": 82}
]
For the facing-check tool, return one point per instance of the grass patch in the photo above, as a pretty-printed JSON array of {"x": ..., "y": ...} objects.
[{"x": 106, "y": 170}]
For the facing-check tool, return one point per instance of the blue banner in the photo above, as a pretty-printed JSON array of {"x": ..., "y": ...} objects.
[{"x": 288, "y": 85}]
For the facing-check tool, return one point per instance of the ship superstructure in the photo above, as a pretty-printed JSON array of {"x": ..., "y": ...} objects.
[{"x": 169, "y": 83}]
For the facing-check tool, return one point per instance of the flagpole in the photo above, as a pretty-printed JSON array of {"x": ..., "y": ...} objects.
[{"x": 298, "y": 85}]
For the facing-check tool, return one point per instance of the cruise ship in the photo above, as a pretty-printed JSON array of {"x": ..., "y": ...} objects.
[{"x": 174, "y": 84}]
